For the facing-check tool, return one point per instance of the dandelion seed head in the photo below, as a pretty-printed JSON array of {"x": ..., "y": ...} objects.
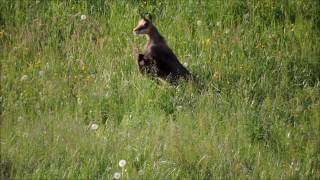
[
  {"x": 25, "y": 135},
  {"x": 79, "y": 100},
  {"x": 41, "y": 73},
  {"x": 14, "y": 49},
  {"x": 185, "y": 64},
  {"x": 83, "y": 17},
  {"x": 94, "y": 126},
  {"x": 20, "y": 118},
  {"x": 140, "y": 172},
  {"x": 24, "y": 78},
  {"x": 117, "y": 175},
  {"x": 227, "y": 31},
  {"x": 199, "y": 23},
  {"x": 122, "y": 163},
  {"x": 246, "y": 16}
]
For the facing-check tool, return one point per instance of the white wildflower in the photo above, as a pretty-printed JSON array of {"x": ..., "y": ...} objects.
[
  {"x": 94, "y": 126},
  {"x": 185, "y": 64},
  {"x": 140, "y": 172},
  {"x": 199, "y": 23},
  {"x": 83, "y": 17},
  {"x": 41, "y": 73},
  {"x": 179, "y": 108},
  {"x": 116, "y": 175},
  {"x": 20, "y": 118},
  {"x": 24, "y": 78},
  {"x": 79, "y": 100},
  {"x": 246, "y": 17},
  {"x": 227, "y": 31},
  {"x": 25, "y": 135},
  {"x": 122, "y": 163}
]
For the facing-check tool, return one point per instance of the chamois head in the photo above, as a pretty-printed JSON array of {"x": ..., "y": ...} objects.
[{"x": 144, "y": 25}]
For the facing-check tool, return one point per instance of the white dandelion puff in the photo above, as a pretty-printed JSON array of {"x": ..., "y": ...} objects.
[
  {"x": 79, "y": 100},
  {"x": 179, "y": 108},
  {"x": 83, "y": 17},
  {"x": 24, "y": 78},
  {"x": 116, "y": 175},
  {"x": 140, "y": 172},
  {"x": 122, "y": 163},
  {"x": 227, "y": 31},
  {"x": 20, "y": 118},
  {"x": 185, "y": 64},
  {"x": 41, "y": 73},
  {"x": 246, "y": 18},
  {"x": 199, "y": 23},
  {"x": 94, "y": 126}
]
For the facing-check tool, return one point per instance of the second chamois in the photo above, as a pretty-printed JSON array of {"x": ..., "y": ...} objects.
[{"x": 158, "y": 59}]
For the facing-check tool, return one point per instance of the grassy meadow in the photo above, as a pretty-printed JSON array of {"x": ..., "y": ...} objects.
[{"x": 73, "y": 103}]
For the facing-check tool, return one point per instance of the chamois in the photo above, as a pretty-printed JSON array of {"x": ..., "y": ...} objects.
[{"x": 158, "y": 59}]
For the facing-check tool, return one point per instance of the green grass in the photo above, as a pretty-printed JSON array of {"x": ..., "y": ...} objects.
[{"x": 257, "y": 115}]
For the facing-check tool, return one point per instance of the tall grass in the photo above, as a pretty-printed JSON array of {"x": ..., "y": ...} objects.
[{"x": 256, "y": 116}]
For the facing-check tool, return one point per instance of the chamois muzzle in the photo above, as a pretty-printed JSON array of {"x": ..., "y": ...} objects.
[{"x": 139, "y": 31}]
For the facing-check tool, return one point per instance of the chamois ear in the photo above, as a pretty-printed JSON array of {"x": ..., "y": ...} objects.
[
  {"x": 149, "y": 17},
  {"x": 142, "y": 16}
]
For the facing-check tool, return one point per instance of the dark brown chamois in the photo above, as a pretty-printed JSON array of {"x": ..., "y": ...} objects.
[{"x": 158, "y": 59}]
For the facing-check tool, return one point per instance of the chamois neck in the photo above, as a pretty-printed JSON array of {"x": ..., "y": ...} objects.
[{"x": 154, "y": 36}]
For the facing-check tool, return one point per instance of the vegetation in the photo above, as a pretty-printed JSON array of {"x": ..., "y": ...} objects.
[{"x": 73, "y": 103}]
